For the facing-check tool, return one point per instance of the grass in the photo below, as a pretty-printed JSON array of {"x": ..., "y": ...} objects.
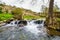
[
  {"x": 5, "y": 16},
  {"x": 29, "y": 17}
]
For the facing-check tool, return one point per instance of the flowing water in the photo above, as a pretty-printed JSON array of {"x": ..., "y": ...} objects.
[{"x": 33, "y": 30}]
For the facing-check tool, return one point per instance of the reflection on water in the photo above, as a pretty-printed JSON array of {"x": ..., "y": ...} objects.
[{"x": 33, "y": 30}]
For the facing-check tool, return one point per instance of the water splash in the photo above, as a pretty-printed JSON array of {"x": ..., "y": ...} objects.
[
  {"x": 31, "y": 31},
  {"x": 36, "y": 28}
]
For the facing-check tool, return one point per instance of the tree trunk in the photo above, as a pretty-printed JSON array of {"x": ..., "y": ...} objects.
[
  {"x": 51, "y": 26},
  {"x": 49, "y": 19},
  {"x": 50, "y": 14}
]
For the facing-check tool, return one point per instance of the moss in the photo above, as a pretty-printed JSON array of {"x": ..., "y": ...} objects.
[
  {"x": 29, "y": 17},
  {"x": 5, "y": 16}
]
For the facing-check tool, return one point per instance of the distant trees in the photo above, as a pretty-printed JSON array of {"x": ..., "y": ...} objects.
[
  {"x": 55, "y": 9},
  {"x": 17, "y": 12}
]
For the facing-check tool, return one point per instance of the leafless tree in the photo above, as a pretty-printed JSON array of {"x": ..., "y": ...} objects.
[{"x": 50, "y": 14}]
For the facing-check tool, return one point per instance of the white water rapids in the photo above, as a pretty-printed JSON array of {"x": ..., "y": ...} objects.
[{"x": 31, "y": 31}]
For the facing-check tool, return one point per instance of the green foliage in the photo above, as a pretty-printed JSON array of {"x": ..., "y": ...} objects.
[
  {"x": 17, "y": 13},
  {"x": 28, "y": 17},
  {"x": 5, "y": 16}
]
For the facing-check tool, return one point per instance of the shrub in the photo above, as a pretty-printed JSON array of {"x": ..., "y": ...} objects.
[{"x": 17, "y": 13}]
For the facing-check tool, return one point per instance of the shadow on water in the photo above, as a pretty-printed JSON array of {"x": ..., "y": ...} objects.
[{"x": 25, "y": 30}]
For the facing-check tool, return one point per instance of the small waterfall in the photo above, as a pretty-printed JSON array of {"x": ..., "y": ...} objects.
[
  {"x": 36, "y": 28},
  {"x": 31, "y": 30}
]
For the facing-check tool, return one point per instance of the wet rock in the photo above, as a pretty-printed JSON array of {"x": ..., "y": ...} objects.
[
  {"x": 16, "y": 22},
  {"x": 38, "y": 21},
  {"x": 8, "y": 22},
  {"x": 22, "y": 22},
  {"x": 2, "y": 24}
]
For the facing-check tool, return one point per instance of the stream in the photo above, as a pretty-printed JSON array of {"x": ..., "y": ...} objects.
[{"x": 25, "y": 30}]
